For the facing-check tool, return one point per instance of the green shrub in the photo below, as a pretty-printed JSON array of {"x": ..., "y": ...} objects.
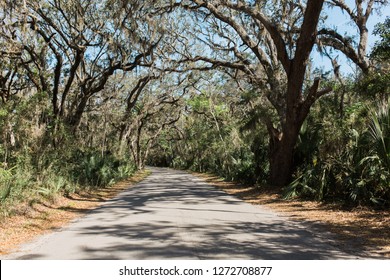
[{"x": 357, "y": 174}]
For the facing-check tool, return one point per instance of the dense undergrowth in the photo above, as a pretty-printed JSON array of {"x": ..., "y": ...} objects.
[
  {"x": 342, "y": 156},
  {"x": 347, "y": 160},
  {"x": 58, "y": 174},
  {"x": 343, "y": 150},
  {"x": 91, "y": 92}
]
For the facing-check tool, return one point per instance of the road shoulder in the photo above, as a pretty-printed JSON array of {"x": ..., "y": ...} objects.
[
  {"x": 44, "y": 216},
  {"x": 358, "y": 230}
]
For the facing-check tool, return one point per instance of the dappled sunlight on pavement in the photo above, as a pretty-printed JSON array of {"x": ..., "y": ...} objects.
[{"x": 174, "y": 215}]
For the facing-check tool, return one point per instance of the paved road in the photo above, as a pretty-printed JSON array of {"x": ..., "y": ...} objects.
[{"x": 174, "y": 215}]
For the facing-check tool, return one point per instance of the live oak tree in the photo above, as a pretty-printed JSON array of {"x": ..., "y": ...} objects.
[
  {"x": 12, "y": 77},
  {"x": 87, "y": 86},
  {"x": 150, "y": 109},
  {"x": 70, "y": 49},
  {"x": 267, "y": 44},
  {"x": 208, "y": 137},
  {"x": 272, "y": 46}
]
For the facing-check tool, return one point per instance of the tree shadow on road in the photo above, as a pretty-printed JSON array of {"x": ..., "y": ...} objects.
[
  {"x": 228, "y": 241},
  {"x": 181, "y": 217}
]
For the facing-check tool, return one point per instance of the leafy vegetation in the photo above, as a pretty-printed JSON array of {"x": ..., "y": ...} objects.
[
  {"x": 92, "y": 91},
  {"x": 354, "y": 168}
]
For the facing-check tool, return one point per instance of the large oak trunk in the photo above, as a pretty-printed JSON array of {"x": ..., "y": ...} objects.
[
  {"x": 283, "y": 142},
  {"x": 281, "y": 153},
  {"x": 280, "y": 166}
]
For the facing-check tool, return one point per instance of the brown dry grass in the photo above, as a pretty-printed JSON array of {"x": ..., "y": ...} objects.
[
  {"x": 42, "y": 216},
  {"x": 357, "y": 230}
]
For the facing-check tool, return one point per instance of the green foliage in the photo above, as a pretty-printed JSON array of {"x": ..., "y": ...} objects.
[
  {"x": 52, "y": 186},
  {"x": 379, "y": 130},
  {"x": 381, "y": 49},
  {"x": 59, "y": 174},
  {"x": 16, "y": 185},
  {"x": 339, "y": 155},
  {"x": 5, "y": 183},
  {"x": 375, "y": 85},
  {"x": 97, "y": 170},
  {"x": 356, "y": 173},
  {"x": 38, "y": 169},
  {"x": 211, "y": 141},
  {"x": 91, "y": 169}
]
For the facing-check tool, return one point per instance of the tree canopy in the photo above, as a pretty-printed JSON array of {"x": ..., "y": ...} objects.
[{"x": 92, "y": 90}]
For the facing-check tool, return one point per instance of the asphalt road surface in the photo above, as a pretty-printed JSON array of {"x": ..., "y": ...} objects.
[{"x": 174, "y": 215}]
